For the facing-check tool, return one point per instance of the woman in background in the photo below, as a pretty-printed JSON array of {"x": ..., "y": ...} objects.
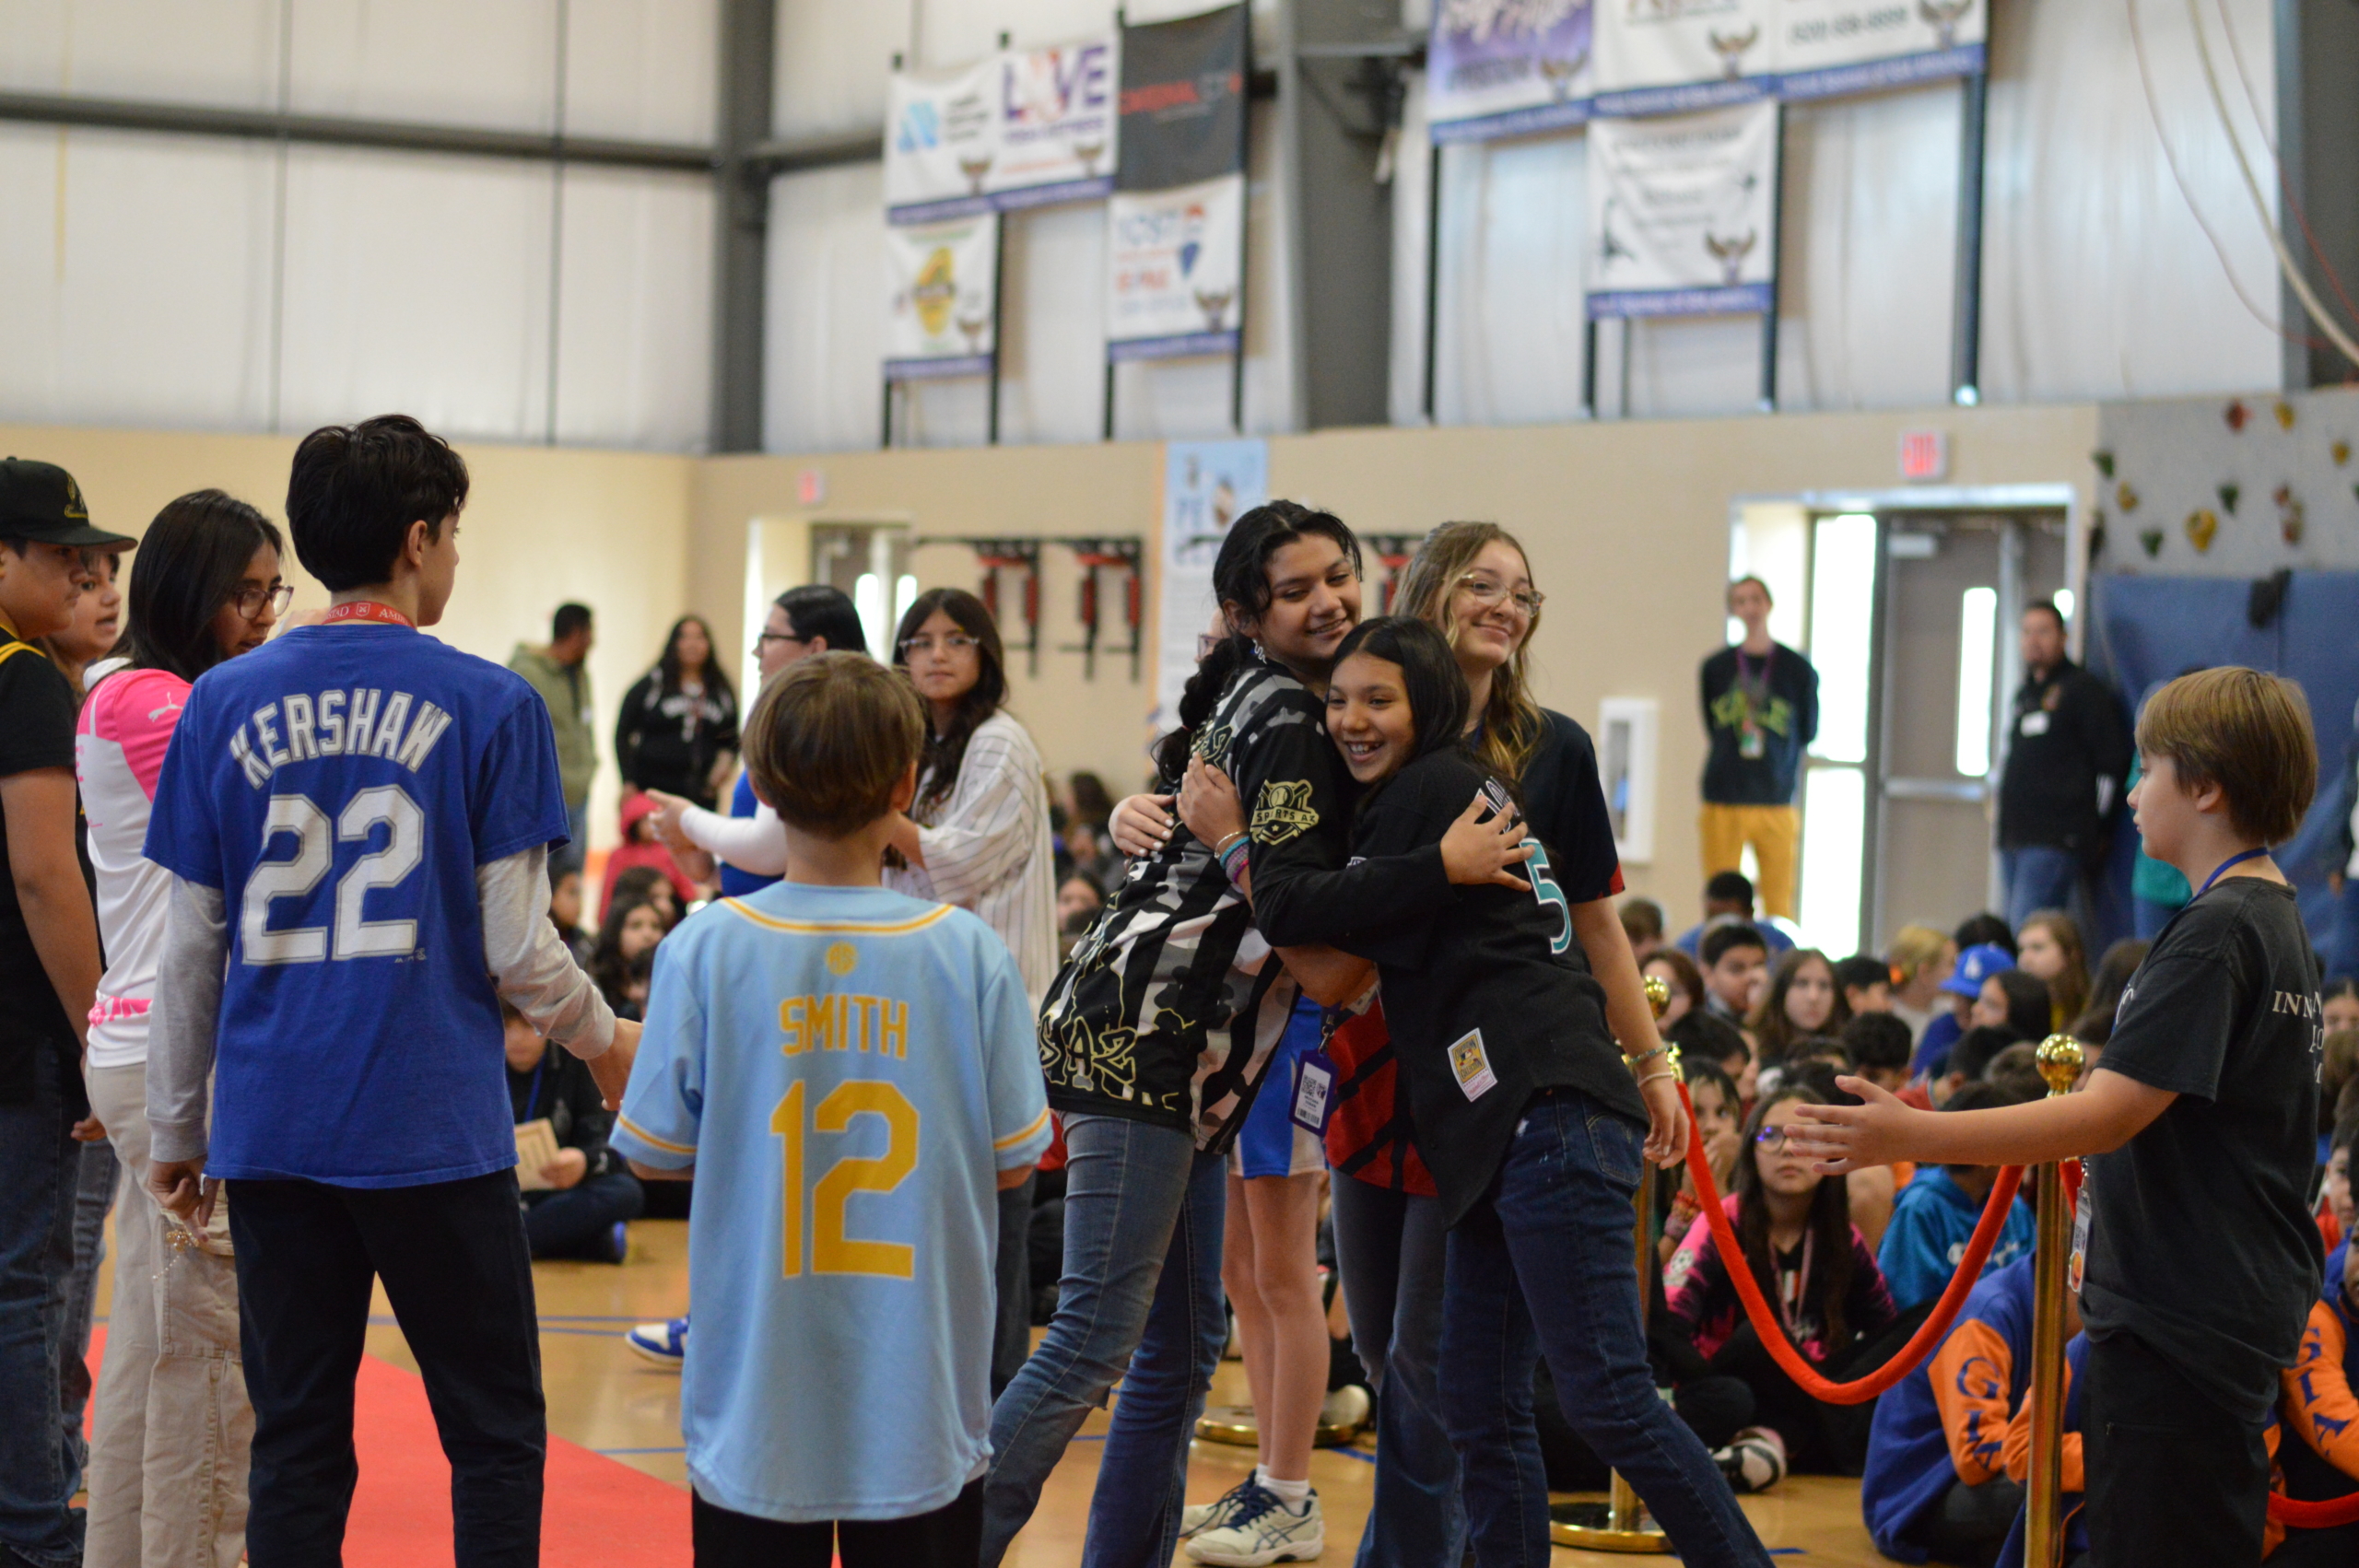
[
  {"x": 2049, "y": 947},
  {"x": 678, "y": 729}
]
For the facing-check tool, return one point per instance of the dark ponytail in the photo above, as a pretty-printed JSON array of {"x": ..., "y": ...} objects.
[{"x": 1242, "y": 580}]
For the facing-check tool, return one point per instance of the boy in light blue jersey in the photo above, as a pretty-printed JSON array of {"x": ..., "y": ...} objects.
[{"x": 851, "y": 1073}]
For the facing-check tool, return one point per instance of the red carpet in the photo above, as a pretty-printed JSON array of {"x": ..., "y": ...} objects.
[{"x": 597, "y": 1513}]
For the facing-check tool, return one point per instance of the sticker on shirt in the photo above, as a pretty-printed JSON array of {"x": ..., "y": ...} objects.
[
  {"x": 1283, "y": 812},
  {"x": 1314, "y": 1092},
  {"x": 2084, "y": 1216},
  {"x": 1472, "y": 1068},
  {"x": 2035, "y": 722}
]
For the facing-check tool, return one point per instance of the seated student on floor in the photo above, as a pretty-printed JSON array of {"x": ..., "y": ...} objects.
[
  {"x": 1819, "y": 1277},
  {"x": 1736, "y": 960},
  {"x": 1864, "y": 982},
  {"x": 1963, "y": 988},
  {"x": 586, "y": 1208},
  {"x": 1878, "y": 1044},
  {"x": 1936, "y": 1483},
  {"x": 1704, "y": 1037},
  {"x": 838, "y": 1398},
  {"x": 2016, "y": 1455},
  {"x": 2318, "y": 1415},
  {"x": 1937, "y": 1213},
  {"x": 1970, "y": 1059}
]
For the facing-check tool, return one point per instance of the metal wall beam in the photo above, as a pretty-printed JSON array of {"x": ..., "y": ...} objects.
[
  {"x": 328, "y": 130},
  {"x": 740, "y": 223},
  {"x": 2318, "y": 147}
]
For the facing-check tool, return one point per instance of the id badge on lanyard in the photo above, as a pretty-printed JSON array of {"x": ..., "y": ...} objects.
[{"x": 1314, "y": 1092}]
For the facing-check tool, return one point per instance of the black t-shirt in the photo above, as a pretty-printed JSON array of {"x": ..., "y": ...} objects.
[
  {"x": 36, "y": 731},
  {"x": 669, "y": 739},
  {"x": 1479, "y": 982},
  {"x": 1759, "y": 717},
  {"x": 1565, "y": 806},
  {"x": 561, "y": 1089},
  {"x": 2201, "y": 1243},
  {"x": 2066, "y": 732}
]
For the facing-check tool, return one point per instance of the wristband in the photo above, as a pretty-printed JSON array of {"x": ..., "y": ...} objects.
[
  {"x": 1648, "y": 1056},
  {"x": 1666, "y": 1072},
  {"x": 1235, "y": 858}
]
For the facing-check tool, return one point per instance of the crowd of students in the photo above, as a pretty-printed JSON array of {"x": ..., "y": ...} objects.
[{"x": 1362, "y": 981}]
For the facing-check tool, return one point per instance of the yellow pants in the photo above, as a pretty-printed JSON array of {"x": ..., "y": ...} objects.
[{"x": 1775, "y": 833}]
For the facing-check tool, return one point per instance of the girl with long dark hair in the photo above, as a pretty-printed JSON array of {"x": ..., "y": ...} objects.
[
  {"x": 678, "y": 729},
  {"x": 1802, "y": 1003},
  {"x": 204, "y": 587},
  {"x": 977, "y": 835},
  {"x": 1532, "y": 1125},
  {"x": 1812, "y": 1262},
  {"x": 1155, "y": 1035}
]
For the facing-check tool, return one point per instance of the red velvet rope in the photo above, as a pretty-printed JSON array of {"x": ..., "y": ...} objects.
[
  {"x": 1773, "y": 1334},
  {"x": 2301, "y": 1515}
]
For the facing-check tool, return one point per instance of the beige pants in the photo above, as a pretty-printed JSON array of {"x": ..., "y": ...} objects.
[
  {"x": 169, "y": 1437},
  {"x": 1776, "y": 834}
]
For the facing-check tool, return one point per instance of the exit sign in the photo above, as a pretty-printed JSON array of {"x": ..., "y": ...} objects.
[{"x": 1924, "y": 454}]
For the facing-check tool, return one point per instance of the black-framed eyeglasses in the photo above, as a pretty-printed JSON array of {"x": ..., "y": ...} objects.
[
  {"x": 764, "y": 639},
  {"x": 1774, "y": 1137},
  {"x": 956, "y": 642},
  {"x": 250, "y": 599}
]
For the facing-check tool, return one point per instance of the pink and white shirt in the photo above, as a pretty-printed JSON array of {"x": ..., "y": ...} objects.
[{"x": 119, "y": 744}]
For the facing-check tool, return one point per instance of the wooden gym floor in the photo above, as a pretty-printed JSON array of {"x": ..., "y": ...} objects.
[{"x": 606, "y": 1399}]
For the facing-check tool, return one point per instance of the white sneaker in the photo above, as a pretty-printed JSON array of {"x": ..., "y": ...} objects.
[
  {"x": 1267, "y": 1532},
  {"x": 1197, "y": 1518},
  {"x": 665, "y": 1344}
]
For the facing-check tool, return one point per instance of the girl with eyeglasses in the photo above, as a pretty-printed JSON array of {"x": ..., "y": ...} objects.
[
  {"x": 204, "y": 587},
  {"x": 977, "y": 835},
  {"x": 1819, "y": 1275}
]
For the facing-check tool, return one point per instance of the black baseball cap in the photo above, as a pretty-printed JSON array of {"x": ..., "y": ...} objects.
[{"x": 39, "y": 502}]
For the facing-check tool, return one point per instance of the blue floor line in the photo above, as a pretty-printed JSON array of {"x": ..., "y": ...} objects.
[{"x": 1360, "y": 1454}]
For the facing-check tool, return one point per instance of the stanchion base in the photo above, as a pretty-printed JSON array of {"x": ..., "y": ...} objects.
[
  {"x": 1586, "y": 1524},
  {"x": 1234, "y": 1424}
]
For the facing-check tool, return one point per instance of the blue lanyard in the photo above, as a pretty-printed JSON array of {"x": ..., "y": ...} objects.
[
  {"x": 2231, "y": 861},
  {"x": 532, "y": 1094}
]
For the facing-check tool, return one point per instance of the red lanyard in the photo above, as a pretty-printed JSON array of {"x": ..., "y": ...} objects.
[{"x": 366, "y": 610}]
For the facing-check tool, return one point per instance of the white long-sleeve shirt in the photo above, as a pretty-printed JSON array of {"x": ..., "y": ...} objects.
[{"x": 986, "y": 848}]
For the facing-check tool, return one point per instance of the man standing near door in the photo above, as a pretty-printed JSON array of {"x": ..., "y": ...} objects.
[
  {"x": 2068, "y": 751},
  {"x": 561, "y": 672},
  {"x": 1760, "y": 713}
]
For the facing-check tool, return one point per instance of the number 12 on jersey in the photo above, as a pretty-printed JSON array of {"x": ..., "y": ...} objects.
[{"x": 832, "y": 1250}]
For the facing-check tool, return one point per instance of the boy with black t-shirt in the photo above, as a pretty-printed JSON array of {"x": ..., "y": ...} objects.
[
  {"x": 49, "y": 973},
  {"x": 2194, "y": 1254}
]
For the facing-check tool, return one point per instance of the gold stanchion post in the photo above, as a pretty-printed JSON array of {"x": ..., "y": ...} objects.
[
  {"x": 2059, "y": 1064},
  {"x": 1620, "y": 1524}
]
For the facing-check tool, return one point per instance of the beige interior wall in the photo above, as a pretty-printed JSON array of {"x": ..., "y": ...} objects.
[
  {"x": 1628, "y": 523},
  {"x": 542, "y": 525}
]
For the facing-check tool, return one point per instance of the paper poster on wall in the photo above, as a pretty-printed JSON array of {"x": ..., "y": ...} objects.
[
  {"x": 1826, "y": 48},
  {"x": 1676, "y": 56},
  {"x": 1175, "y": 268},
  {"x": 1683, "y": 213},
  {"x": 1206, "y": 486},
  {"x": 1184, "y": 100},
  {"x": 1057, "y": 125},
  {"x": 941, "y": 142},
  {"x": 1508, "y": 68},
  {"x": 941, "y": 315}
]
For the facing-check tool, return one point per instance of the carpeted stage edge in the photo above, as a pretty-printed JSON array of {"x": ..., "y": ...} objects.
[{"x": 596, "y": 1512}]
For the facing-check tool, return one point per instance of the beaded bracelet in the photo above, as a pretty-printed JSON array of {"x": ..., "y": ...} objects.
[
  {"x": 1648, "y": 1056},
  {"x": 1235, "y": 858}
]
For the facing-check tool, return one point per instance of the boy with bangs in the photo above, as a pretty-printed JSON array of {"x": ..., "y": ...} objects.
[
  {"x": 2193, "y": 1252},
  {"x": 853, "y": 1074}
]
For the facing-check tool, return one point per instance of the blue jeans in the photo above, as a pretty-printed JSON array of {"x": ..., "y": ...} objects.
[
  {"x": 1140, "y": 1301},
  {"x": 39, "y": 1164},
  {"x": 1547, "y": 1254},
  {"x": 1390, "y": 1249},
  {"x": 2039, "y": 876},
  {"x": 93, "y": 1197}
]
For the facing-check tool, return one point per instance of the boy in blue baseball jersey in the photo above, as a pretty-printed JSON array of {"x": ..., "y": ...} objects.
[
  {"x": 357, "y": 821},
  {"x": 851, "y": 1073}
]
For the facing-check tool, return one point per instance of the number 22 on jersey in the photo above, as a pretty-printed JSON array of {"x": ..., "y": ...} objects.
[{"x": 832, "y": 1249}]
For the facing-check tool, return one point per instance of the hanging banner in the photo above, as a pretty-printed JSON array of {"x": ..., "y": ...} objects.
[
  {"x": 1057, "y": 125},
  {"x": 1174, "y": 262},
  {"x": 941, "y": 140},
  {"x": 1206, "y": 486},
  {"x": 1184, "y": 100},
  {"x": 1676, "y": 56},
  {"x": 1683, "y": 213},
  {"x": 1508, "y": 68},
  {"x": 941, "y": 316},
  {"x": 1827, "y": 48}
]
